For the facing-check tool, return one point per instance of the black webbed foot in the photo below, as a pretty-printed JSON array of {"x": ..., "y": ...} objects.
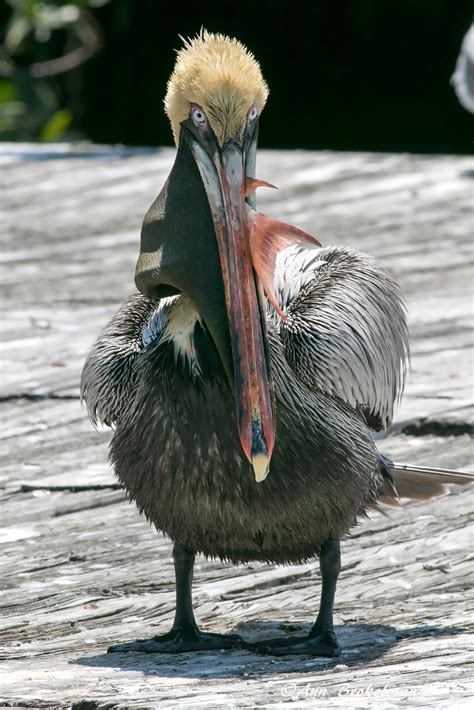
[
  {"x": 317, "y": 643},
  {"x": 181, "y": 641}
]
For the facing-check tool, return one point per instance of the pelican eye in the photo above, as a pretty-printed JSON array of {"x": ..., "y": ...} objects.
[
  {"x": 198, "y": 116},
  {"x": 252, "y": 114}
]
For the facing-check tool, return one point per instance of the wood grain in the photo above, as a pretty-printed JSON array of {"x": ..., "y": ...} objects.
[{"x": 81, "y": 569}]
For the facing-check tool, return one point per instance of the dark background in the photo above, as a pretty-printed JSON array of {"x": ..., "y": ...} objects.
[{"x": 350, "y": 75}]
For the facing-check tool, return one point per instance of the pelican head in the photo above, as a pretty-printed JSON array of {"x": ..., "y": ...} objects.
[
  {"x": 220, "y": 78},
  {"x": 195, "y": 238}
]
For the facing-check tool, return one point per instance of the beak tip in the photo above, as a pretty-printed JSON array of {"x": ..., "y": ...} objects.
[{"x": 260, "y": 463}]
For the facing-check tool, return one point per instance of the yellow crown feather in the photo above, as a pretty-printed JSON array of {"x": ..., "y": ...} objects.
[{"x": 223, "y": 77}]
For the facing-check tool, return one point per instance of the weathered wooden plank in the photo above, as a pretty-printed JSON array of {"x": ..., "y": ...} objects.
[
  {"x": 81, "y": 570},
  {"x": 77, "y": 587}
]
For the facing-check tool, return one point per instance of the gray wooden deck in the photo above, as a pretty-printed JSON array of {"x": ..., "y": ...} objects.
[{"x": 81, "y": 569}]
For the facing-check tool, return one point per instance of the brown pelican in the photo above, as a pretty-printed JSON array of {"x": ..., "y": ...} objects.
[{"x": 245, "y": 379}]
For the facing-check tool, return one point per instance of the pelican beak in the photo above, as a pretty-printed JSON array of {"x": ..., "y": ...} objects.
[
  {"x": 223, "y": 172},
  {"x": 195, "y": 240}
]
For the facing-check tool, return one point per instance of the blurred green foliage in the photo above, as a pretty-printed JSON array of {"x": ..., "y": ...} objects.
[{"x": 44, "y": 40}]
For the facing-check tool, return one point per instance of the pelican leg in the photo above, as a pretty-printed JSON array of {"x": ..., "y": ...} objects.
[
  {"x": 321, "y": 640},
  {"x": 184, "y": 634}
]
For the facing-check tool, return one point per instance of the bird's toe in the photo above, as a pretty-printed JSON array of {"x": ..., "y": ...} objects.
[
  {"x": 177, "y": 641},
  {"x": 323, "y": 643},
  {"x": 138, "y": 646}
]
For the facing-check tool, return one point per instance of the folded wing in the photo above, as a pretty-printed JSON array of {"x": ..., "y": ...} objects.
[
  {"x": 346, "y": 331},
  {"x": 109, "y": 376}
]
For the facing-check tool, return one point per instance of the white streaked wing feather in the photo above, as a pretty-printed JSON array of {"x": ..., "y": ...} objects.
[{"x": 347, "y": 333}]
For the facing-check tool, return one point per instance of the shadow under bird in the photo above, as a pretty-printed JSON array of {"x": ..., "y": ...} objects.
[{"x": 246, "y": 376}]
